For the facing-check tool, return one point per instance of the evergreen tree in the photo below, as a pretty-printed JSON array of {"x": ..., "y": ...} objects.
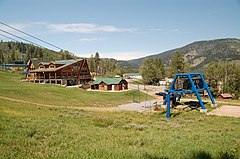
[
  {"x": 177, "y": 65},
  {"x": 28, "y": 57},
  {"x": 159, "y": 69},
  {"x": 1, "y": 57},
  {"x": 12, "y": 57},
  {"x": 67, "y": 55},
  {"x": 152, "y": 70},
  {"x": 146, "y": 71},
  {"x": 223, "y": 77},
  {"x": 40, "y": 54},
  {"x": 91, "y": 63},
  {"x": 62, "y": 57},
  {"x": 97, "y": 62}
]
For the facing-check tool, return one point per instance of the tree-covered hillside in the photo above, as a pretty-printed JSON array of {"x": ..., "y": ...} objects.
[
  {"x": 11, "y": 52},
  {"x": 200, "y": 53}
]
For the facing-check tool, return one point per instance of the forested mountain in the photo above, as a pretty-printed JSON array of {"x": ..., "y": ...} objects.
[
  {"x": 200, "y": 53},
  {"x": 197, "y": 54},
  {"x": 11, "y": 52}
]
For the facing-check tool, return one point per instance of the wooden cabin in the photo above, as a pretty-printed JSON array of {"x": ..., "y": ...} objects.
[
  {"x": 225, "y": 96},
  {"x": 64, "y": 72},
  {"x": 109, "y": 84}
]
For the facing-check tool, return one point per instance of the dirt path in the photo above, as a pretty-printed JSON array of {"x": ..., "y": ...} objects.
[
  {"x": 54, "y": 106},
  {"x": 226, "y": 110}
]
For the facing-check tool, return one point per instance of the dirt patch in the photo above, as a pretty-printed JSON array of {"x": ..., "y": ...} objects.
[{"x": 226, "y": 110}]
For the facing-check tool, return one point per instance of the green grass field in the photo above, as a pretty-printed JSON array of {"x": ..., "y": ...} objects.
[
  {"x": 30, "y": 131},
  {"x": 12, "y": 87}
]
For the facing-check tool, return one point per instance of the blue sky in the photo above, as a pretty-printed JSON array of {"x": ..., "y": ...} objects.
[{"x": 121, "y": 29}]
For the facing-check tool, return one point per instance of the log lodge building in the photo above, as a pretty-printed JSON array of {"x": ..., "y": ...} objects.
[{"x": 64, "y": 72}]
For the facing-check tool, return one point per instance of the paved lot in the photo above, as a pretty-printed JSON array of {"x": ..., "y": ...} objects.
[{"x": 139, "y": 107}]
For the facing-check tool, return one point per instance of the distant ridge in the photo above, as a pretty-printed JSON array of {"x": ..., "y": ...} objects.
[{"x": 200, "y": 53}]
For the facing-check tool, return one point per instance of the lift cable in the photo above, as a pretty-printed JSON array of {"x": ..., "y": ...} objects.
[
  {"x": 31, "y": 36},
  {"x": 8, "y": 37},
  {"x": 21, "y": 38}
]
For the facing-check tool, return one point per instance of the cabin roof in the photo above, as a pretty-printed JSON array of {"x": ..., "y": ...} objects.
[
  {"x": 64, "y": 63},
  {"x": 108, "y": 81},
  {"x": 226, "y": 95}
]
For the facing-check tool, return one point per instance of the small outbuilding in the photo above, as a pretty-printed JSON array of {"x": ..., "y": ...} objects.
[
  {"x": 109, "y": 84},
  {"x": 225, "y": 96},
  {"x": 132, "y": 76}
]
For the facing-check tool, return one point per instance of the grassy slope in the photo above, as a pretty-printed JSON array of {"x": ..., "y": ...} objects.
[
  {"x": 11, "y": 86},
  {"x": 28, "y": 131},
  {"x": 40, "y": 132}
]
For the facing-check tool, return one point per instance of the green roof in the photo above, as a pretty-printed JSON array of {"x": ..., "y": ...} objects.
[
  {"x": 108, "y": 81},
  {"x": 36, "y": 62}
]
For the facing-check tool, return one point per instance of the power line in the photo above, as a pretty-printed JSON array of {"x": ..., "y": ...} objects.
[
  {"x": 21, "y": 38},
  {"x": 8, "y": 37},
  {"x": 31, "y": 36}
]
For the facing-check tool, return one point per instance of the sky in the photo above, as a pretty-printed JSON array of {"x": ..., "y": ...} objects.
[{"x": 120, "y": 29}]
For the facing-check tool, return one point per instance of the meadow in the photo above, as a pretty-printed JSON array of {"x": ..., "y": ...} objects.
[
  {"x": 32, "y": 131},
  {"x": 11, "y": 86}
]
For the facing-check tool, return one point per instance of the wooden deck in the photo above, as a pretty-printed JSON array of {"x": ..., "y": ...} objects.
[{"x": 50, "y": 81}]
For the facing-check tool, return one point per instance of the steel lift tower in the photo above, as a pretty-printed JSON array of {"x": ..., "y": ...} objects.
[{"x": 191, "y": 83}]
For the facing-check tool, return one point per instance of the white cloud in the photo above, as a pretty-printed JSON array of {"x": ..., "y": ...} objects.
[
  {"x": 89, "y": 39},
  {"x": 154, "y": 28},
  {"x": 87, "y": 28}
]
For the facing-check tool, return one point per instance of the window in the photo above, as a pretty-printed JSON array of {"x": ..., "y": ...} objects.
[
  {"x": 52, "y": 66},
  {"x": 58, "y": 75},
  {"x": 41, "y": 66},
  {"x": 64, "y": 74},
  {"x": 75, "y": 74},
  {"x": 75, "y": 67},
  {"x": 84, "y": 72}
]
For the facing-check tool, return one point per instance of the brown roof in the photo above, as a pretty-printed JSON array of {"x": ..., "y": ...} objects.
[{"x": 226, "y": 95}]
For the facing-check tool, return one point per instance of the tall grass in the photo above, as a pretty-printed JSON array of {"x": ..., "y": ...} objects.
[
  {"x": 40, "y": 132},
  {"x": 31, "y": 131}
]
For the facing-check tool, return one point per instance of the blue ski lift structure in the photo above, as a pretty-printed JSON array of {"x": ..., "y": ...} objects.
[
  {"x": 190, "y": 83},
  {"x": 6, "y": 66}
]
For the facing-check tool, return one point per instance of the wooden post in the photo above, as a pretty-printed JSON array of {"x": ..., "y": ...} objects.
[
  {"x": 49, "y": 74},
  {"x": 55, "y": 78}
]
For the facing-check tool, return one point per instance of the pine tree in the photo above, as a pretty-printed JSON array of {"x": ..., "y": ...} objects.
[
  {"x": 91, "y": 63},
  {"x": 177, "y": 64},
  {"x": 223, "y": 77},
  {"x": 96, "y": 62},
  {"x": 12, "y": 57},
  {"x": 1, "y": 57},
  {"x": 152, "y": 70},
  {"x": 159, "y": 69}
]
